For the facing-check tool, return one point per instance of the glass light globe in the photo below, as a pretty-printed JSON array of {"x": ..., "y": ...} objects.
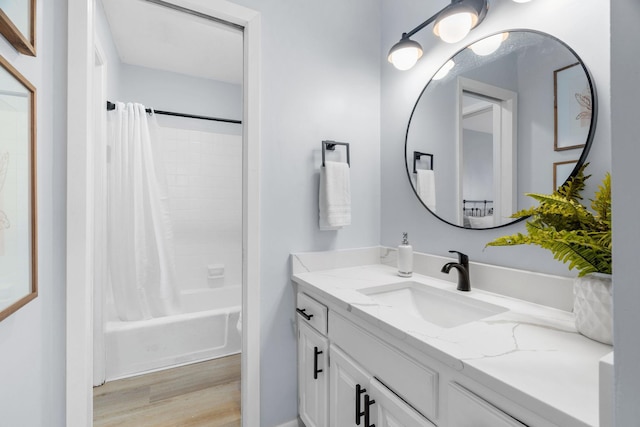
[
  {"x": 455, "y": 27},
  {"x": 488, "y": 45},
  {"x": 444, "y": 70},
  {"x": 405, "y": 58}
]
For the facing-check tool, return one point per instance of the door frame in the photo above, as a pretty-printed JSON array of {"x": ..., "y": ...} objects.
[
  {"x": 80, "y": 212},
  {"x": 505, "y": 150}
]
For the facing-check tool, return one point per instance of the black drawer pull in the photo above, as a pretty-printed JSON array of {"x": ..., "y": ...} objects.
[
  {"x": 367, "y": 408},
  {"x": 302, "y": 312},
  {"x": 359, "y": 413},
  {"x": 316, "y": 371}
]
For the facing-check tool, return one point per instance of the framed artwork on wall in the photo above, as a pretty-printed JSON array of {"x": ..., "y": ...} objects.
[
  {"x": 572, "y": 107},
  {"x": 18, "y": 196},
  {"x": 18, "y": 24},
  {"x": 561, "y": 171}
]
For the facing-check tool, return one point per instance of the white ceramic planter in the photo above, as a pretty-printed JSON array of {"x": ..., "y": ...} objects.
[{"x": 592, "y": 305}]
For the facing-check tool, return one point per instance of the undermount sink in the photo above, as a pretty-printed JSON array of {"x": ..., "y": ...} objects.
[{"x": 444, "y": 308}]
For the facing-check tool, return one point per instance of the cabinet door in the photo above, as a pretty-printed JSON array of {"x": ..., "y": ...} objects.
[
  {"x": 392, "y": 411},
  {"x": 348, "y": 391},
  {"x": 468, "y": 410},
  {"x": 313, "y": 376}
]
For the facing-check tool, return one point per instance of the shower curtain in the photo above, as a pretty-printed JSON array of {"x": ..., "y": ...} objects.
[{"x": 140, "y": 236}]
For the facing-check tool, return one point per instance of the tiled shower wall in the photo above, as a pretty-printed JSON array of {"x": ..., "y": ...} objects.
[{"x": 204, "y": 176}]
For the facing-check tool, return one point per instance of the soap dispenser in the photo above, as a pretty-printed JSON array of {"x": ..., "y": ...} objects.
[{"x": 405, "y": 257}]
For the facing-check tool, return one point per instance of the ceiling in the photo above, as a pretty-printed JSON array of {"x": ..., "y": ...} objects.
[
  {"x": 149, "y": 35},
  {"x": 477, "y": 114}
]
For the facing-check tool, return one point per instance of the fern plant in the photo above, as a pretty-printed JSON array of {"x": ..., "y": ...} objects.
[{"x": 574, "y": 234}]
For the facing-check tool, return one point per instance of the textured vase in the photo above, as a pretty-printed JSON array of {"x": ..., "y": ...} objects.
[{"x": 592, "y": 306}]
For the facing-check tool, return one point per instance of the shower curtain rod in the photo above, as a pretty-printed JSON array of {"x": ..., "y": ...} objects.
[{"x": 112, "y": 106}]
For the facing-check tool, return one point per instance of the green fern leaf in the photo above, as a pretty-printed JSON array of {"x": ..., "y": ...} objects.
[{"x": 562, "y": 225}]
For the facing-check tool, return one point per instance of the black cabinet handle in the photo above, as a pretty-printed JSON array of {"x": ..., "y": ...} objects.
[
  {"x": 302, "y": 312},
  {"x": 359, "y": 413},
  {"x": 316, "y": 371},
  {"x": 367, "y": 408}
]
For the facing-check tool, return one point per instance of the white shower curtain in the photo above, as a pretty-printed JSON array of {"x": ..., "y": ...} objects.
[{"x": 140, "y": 236}]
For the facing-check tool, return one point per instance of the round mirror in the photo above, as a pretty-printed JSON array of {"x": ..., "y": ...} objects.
[{"x": 513, "y": 113}]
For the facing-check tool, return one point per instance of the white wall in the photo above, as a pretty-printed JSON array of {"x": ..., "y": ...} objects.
[
  {"x": 625, "y": 92},
  {"x": 32, "y": 340},
  {"x": 400, "y": 210},
  {"x": 168, "y": 91},
  {"x": 320, "y": 80},
  {"x": 477, "y": 174}
]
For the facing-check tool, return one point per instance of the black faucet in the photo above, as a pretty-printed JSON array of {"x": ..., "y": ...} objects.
[{"x": 463, "y": 271}]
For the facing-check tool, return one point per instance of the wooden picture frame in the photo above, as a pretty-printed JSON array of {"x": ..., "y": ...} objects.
[
  {"x": 18, "y": 26},
  {"x": 18, "y": 191},
  {"x": 572, "y": 107},
  {"x": 562, "y": 171}
]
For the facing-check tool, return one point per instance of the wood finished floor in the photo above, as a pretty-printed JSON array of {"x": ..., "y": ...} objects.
[{"x": 205, "y": 394}]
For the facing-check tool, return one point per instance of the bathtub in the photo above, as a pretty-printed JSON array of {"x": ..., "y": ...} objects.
[{"x": 207, "y": 329}]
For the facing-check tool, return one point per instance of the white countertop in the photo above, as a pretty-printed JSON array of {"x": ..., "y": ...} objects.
[{"x": 531, "y": 354}]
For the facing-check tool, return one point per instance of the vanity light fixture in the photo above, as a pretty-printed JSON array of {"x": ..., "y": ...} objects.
[
  {"x": 488, "y": 45},
  {"x": 452, "y": 24}
]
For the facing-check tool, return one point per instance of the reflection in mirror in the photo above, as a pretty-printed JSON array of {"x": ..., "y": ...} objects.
[
  {"x": 478, "y": 134},
  {"x": 490, "y": 118},
  {"x": 18, "y": 279}
]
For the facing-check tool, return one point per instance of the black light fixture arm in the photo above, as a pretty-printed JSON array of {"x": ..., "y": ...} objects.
[
  {"x": 424, "y": 24},
  {"x": 481, "y": 11}
]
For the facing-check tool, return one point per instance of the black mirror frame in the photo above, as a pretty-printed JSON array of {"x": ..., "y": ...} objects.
[{"x": 585, "y": 151}]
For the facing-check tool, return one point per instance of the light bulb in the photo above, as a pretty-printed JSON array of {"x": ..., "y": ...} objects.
[
  {"x": 403, "y": 59},
  {"x": 522, "y": 1},
  {"x": 444, "y": 70},
  {"x": 488, "y": 45},
  {"x": 454, "y": 27},
  {"x": 404, "y": 54}
]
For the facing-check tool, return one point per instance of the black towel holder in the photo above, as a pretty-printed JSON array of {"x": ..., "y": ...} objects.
[
  {"x": 417, "y": 155},
  {"x": 331, "y": 146}
]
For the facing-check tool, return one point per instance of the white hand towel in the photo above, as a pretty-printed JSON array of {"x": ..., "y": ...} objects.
[
  {"x": 426, "y": 188},
  {"x": 334, "y": 196}
]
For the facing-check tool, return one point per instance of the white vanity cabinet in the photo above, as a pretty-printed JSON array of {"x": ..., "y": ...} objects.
[
  {"x": 347, "y": 391},
  {"x": 391, "y": 411},
  {"x": 313, "y": 366},
  {"x": 349, "y": 376},
  {"x": 358, "y": 399},
  {"x": 466, "y": 409}
]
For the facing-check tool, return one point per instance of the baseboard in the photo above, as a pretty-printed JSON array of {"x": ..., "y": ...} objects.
[{"x": 292, "y": 423}]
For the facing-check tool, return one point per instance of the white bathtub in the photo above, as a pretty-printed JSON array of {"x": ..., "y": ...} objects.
[{"x": 207, "y": 329}]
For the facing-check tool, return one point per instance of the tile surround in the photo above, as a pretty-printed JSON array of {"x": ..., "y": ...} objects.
[{"x": 204, "y": 180}]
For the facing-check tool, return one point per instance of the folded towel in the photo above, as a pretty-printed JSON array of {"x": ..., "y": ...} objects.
[
  {"x": 426, "y": 188},
  {"x": 335, "y": 196}
]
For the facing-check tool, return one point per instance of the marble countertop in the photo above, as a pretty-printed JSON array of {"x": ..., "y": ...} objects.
[{"x": 531, "y": 354}]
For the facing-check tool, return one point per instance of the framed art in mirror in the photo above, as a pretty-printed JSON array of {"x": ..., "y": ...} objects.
[
  {"x": 572, "y": 107},
  {"x": 18, "y": 24},
  {"x": 18, "y": 196},
  {"x": 561, "y": 170}
]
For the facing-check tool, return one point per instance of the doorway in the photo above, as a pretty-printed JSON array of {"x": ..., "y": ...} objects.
[
  {"x": 81, "y": 212},
  {"x": 486, "y": 152}
]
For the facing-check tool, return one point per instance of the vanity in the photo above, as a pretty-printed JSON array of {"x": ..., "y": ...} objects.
[{"x": 378, "y": 349}]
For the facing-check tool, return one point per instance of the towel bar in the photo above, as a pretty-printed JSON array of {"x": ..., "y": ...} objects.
[
  {"x": 416, "y": 157},
  {"x": 331, "y": 146}
]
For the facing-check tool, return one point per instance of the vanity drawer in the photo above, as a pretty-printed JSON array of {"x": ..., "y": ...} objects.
[
  {"x": 415, "y": 384},
  {"x": 312, "y": 312},
  {"x": 466, "y": 409}
]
